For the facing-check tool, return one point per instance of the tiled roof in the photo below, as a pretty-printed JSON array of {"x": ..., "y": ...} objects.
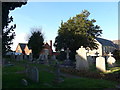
[
  {"x": 105, "y": 42},
  {"x": 22, "y": 45}
]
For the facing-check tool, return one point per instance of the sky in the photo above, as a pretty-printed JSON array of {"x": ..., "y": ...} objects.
[{"x": 48, "y": 16}]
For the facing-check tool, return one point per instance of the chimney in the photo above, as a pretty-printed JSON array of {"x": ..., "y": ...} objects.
[{"x": 51, "y": 44}]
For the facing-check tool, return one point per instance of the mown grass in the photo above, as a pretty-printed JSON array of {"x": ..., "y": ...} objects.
[{"x": 11, "y": 79}]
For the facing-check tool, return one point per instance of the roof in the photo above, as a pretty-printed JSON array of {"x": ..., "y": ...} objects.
[
  {"x": 22, "y": 45},
  {"x": 105, "y": 42}
]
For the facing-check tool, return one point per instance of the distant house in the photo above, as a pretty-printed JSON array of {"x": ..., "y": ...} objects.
[
  {"x": 23, "y": 48},
  {"x": 47, "y": 48},
  {"x": 104, "y": 47}
]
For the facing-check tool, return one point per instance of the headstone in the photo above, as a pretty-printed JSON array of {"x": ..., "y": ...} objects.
[
  {"x": 67, "y": 51},
  {"x": 67, "y": 62},
  {"x": 17, "y": 57},
  {"x": 81, "y": 59},
  {"x": 30, "y": 57},
  {"x": 111, "y": 60},
  {"x": 100, "y": 64},
  {"x": 57, "y": 79},
  {"x": 90, "y": 60},
  {"x": 53, "y": 57},
  {"x": 21, "y": 57},
  {"x": 24, "y": 82},
  {"x": 33, "y": 73},
  {"x": 25, "y": 57}
]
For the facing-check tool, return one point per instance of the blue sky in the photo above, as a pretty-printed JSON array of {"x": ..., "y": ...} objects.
[{"x": 48, "y": 16}]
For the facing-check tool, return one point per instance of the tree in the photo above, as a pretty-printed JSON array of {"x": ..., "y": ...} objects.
[
  {"x": 116, "y": 55},
  {"x": 35, "y": 42},
  {"x": 8, "y": 33},
  {"x": 77, "y": 31}
]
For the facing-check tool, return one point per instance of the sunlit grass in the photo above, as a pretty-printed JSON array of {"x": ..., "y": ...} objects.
[{"x": 11, "y": 79}]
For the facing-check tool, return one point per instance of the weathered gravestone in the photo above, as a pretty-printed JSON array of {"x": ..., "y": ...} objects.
[
  {"x": 21, "y": 57},
  {"x": 57, "y": 79},
  {"x": 90, "y": 60},
  {"x": 81, "y": 59},
  {"x": 25, "y": 57},
  {"x": 33, "y": 73},
  {"x": 24, "y": 82},
  {"x": 111, "y": 60},
  {"x": 100, "y": 64},
  {"x": 67, "y": 62},
  {"x": 17, "y": 57},
  {"x": 30, "y": 57}
]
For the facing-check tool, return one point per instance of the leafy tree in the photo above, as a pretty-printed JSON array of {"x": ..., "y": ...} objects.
[
  {"x": 35, "y": 42},
  {"x": 8, "y": 32},
  {"x": 116, "y": 55},
  {"x": 77, "y": 31}
]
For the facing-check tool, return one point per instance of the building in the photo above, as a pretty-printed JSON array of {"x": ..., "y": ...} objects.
[
  {"x": 23, "y": 48},
  {"x": 47, "y": 49},
  {"x": 117, "y": 43},
  {"x": 104, "y": 47}
]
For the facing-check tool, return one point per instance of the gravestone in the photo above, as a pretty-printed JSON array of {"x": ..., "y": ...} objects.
[
  {"x": 33, "y": 73},
  {"x": 30, "y": 57},
  {"x": 17, "y": 57},
  {"x": 81, "y": 59},
  {"x": 25, "y": 57},
  {"x": 100, "y": 64},
  {"x": 21, "y": 57},
  {"x": 24, "y": 82},
  {"x": 67, "y": 62},
  {"x": 111, "y": 60},
  {"x": 90, "y": 60},
  {"x": 57, "y": 79}
]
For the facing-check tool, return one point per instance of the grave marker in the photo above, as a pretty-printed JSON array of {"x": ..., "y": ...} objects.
[
  {"x": 100, "y": 64},
  {"x": 33, "y": 73},
  {"x": 81, "y": 59},
  {"x": 111, "y": 60}
]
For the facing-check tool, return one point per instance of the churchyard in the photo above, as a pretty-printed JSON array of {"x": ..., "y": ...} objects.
[{"x": 84, "y": 73}]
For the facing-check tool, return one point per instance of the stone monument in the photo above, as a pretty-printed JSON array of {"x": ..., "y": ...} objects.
[
  {"x": 111, "y": 60},
  {"x": 100, "y": 63},
  {"x": 81, "y": 59}
]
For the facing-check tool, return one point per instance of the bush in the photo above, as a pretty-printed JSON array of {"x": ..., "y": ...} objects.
[
  {"x": 62, "y": 56},
  {"x": 116, "y": 54}
]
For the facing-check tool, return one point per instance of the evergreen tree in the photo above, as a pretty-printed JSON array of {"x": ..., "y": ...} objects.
[
  {"x": 35, "y": 42},
  {"x": 77, "y": 31},
  {"x": 8, "y": 33}
]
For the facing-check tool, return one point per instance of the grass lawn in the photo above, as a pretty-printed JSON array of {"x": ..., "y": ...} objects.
[{"x": 11, "y": 79}]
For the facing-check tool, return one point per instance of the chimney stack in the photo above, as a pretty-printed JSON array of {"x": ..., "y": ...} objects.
[{"x": 51, "y": 44}]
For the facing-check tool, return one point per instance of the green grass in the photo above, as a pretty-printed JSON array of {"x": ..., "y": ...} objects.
[
  {"x": 11, "y": 79},
  {"x": 86, "y": 83}
]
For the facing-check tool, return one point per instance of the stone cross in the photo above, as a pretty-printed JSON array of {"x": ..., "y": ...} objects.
[
  {"x": 81, "y": 59},
  {"x": 97, "y": 54},
  {"x": 57, "y": 79},
  {"x": 30, "y": 56},
  {"x": 67, "y": 51},
  {"x": 110, "y": 54},
  {"x": 111, "y": 60}
]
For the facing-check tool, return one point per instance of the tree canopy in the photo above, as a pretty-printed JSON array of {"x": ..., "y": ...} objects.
[
  {"x": 35, "y": 42},
  {"x": 77, "y": 31},
  {"x": 8, "y": 33}
]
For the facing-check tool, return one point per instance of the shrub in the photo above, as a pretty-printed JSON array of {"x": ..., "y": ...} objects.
[{"x": 116, "y": 54}]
